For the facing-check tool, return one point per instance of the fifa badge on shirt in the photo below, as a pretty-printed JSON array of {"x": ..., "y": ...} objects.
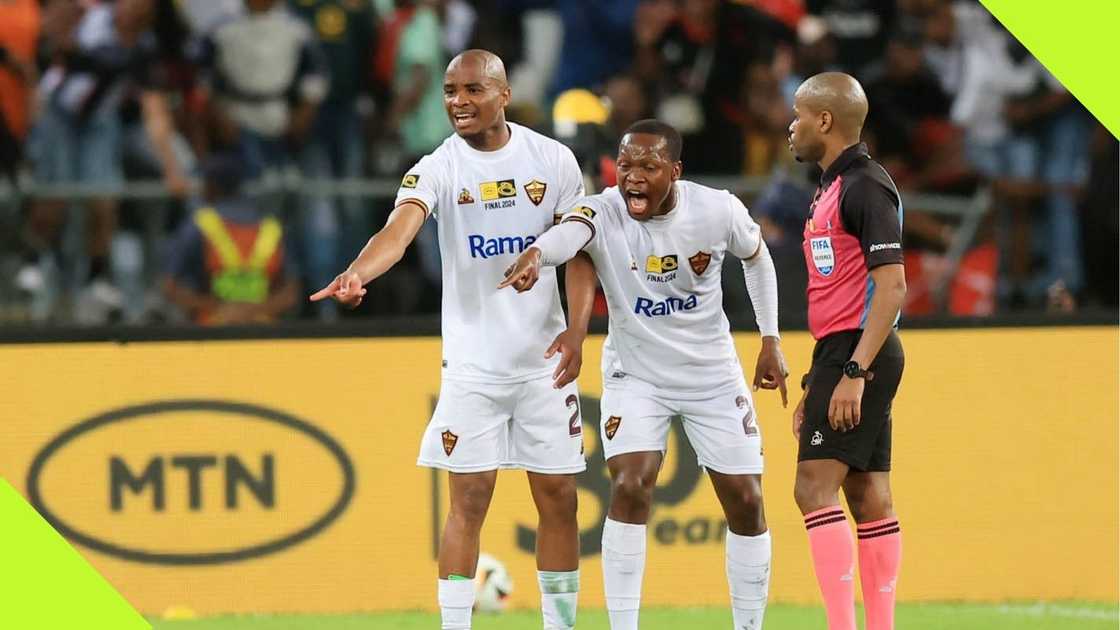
[
  {"x": 449, "y": 441},
  {"x": 410, "y": 181},
  {"x": 699, "y": 262},
  {"x": 824, "y": 259},
  {"x": 535, "y": 190},
  {"x": 465, "y": 197},
  {"x": 611, "y": 427}
]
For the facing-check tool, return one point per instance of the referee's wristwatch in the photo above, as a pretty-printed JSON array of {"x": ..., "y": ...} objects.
[{"x": 853, "y": 370}]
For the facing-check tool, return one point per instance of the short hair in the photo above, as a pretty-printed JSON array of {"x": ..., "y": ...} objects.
[{"x": 657, "y": 128}]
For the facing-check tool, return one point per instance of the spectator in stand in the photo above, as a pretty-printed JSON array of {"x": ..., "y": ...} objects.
[
  {"x": 97, "y": 52},
  {"x": 228, "y": 263},
  {"x": 695, "y": 57},
  {"x": 264, "y": 76},
  {"x": 19, "y": 32},
  {"x": 860, "y": 29},
  {"x": 332, "y": 232},
  {"x": 411, "y": 57},
  {"x": 598, "y": 42}
]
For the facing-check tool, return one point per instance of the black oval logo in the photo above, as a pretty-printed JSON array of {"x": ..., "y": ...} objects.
[{"x": 228, "y": 408}]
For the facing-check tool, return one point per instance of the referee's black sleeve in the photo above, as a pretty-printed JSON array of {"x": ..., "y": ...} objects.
[{"x": 869, "y": 210}]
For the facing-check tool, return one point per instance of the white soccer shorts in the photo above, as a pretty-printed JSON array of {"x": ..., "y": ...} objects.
[
  {"x": 481, "y": 426},
  {"x": 722, "y": 428}
]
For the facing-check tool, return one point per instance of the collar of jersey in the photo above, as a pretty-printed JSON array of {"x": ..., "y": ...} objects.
[
  {"x": 515, "y": 139},
  {"x": 667, "y": 218}
]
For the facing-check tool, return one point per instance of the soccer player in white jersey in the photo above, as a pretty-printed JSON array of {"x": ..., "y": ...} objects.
[
  {"x": 658, "y": 244},
  {"x": 506, "y": 400}
]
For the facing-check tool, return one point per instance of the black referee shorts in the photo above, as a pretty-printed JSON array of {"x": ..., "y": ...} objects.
[{"x": 866, "y": 448}]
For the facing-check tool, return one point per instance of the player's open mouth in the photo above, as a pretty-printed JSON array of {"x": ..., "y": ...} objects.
[
  {"x": 463, "y": 119},
  {"x": 637, "y": 201}
]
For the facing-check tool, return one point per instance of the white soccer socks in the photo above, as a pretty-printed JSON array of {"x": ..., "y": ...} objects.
[
  {"x": 559, "y": 592},
  {"x": 456, "y": 599},
  {"x": 748, "y": 575},
  {"x": 624, "y": 562}
]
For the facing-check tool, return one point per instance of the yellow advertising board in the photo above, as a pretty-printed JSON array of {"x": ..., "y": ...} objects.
[{"x": 280, "y": 476}]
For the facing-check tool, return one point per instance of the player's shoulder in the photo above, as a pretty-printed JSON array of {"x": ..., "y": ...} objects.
[
  {"x": 706, "y": 200},
  {"x": 542, "y": 145},
  {"x": 868, "y": 179},
  {"x": 609, "y": 201}
]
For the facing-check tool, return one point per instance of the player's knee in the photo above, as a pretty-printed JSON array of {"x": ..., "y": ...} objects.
[
  {"x": 810, "y": 496},
  {"x": 632, "y": 490},
  {"x": 871, "y": 505},
  {"x": 471, "y": 504},
  {"x": 557, "y": 500}
]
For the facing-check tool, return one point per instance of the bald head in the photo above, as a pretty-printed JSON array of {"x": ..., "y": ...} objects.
[
  {"x": 486, "y": 63},
  {"x": 840, "y": 95}
]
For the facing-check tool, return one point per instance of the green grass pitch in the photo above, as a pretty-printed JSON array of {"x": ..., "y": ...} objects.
[{"x": 1042, "y": 616}]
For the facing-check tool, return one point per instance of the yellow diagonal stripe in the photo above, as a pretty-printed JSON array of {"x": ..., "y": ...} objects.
[
  {"x": 1077, "y": 43},
  {"x": 45, "y": 583}
]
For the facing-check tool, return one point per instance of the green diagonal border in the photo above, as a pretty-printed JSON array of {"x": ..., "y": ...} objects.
[
  {"x": 1077, "y": 42},
  {"x": 45, "y": 583}
]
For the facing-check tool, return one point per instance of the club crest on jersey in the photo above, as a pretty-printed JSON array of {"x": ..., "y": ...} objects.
[
  {"x": 699, "y": 262},
  {"x": 611, "y": 426},
  {"x": 501, "y": 189},
  {"x": 465, "y": 197},
  {"x": 449, "y": 441},
  {"x": 824, "y": 258},
  {"x": 410, "y": 181},
  {"x": 535, "y": 189}
]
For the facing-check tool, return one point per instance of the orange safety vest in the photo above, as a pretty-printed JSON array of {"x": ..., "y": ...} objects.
[{"x": 240, "y": 279}]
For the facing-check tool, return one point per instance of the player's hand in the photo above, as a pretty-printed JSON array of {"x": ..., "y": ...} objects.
[
  {"x": 524, "y": 272},
  {"x": 570, "y": 346},
  {"x": 843, "y": 409},
  {"x": 770, "y": 372},
  {"x": 799, "y": 415},
  {"x": 346, "y": 288}
]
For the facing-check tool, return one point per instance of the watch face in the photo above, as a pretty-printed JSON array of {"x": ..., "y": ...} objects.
[{"x": 851, "y": 369}]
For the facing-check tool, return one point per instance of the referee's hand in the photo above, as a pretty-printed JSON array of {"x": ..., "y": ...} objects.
[{"x": 843, "y": 409}]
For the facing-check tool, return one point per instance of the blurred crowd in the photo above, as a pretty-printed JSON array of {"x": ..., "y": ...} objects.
[{"x": 209, "y": 96}]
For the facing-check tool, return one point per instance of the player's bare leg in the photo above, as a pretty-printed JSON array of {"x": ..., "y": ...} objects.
[
  {"x": 557, "y": 547},
  {"x": 633, "y": 477},
  {"x": 748, "y": 546},
  {"x": 880, "y": 544},
  {"x": 458, "y": 549},
  {"x": 816, "y": 491}
]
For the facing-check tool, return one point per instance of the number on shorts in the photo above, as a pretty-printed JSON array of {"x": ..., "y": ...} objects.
[{"x": 575, "y": 427}]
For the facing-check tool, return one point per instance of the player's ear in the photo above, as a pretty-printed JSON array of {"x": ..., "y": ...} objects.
[
  {"x": 507, "y": 96},
  {"x": 825, "y": 121},
  {"x": 678, "y": 168}
]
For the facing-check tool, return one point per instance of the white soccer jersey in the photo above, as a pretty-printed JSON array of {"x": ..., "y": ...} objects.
[
  {"x": 662, "y": 280},
  {"x": 490, "y": 206}
]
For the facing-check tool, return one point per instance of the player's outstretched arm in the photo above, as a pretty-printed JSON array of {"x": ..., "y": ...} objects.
[
  {"x": 579, "y": 286},
  {"x": 770, "y": 371},
  {"x": 555, "y": 247},
  {"x": 383, "y": 250}
]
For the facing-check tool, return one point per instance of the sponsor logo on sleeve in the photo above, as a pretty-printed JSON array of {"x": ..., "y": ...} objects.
[
  {"x": 881, "y": 246},
  {"x": 410, "y": 181},
  {"x": 585, "y": 211}
]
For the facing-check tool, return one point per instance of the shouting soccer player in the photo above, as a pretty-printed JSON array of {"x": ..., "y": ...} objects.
[
  {"x": 506, "y": 400},
  {"x": 658, "y": 244},
  {"x": 853, "y": 249}
]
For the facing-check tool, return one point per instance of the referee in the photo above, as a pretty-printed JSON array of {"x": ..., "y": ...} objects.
[{"x": 853, "y": 249}]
